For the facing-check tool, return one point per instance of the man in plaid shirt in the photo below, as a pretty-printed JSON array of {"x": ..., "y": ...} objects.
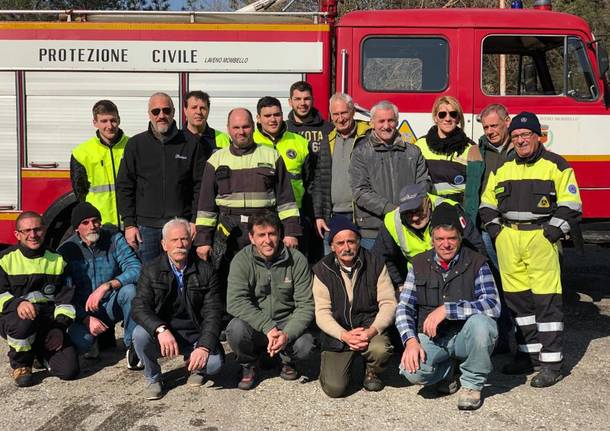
[{"x": 446, "y": 313}]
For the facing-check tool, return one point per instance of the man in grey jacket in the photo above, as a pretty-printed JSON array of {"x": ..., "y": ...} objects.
[{"x": 381, "y": 165}]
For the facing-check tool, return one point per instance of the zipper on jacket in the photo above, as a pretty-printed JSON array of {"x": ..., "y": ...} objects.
[
  {"x": 348, "y": 317},
  {"x": 116, "y": 202}
]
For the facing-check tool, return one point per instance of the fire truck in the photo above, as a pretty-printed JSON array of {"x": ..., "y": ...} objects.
[{"x": 53, "y": 71}]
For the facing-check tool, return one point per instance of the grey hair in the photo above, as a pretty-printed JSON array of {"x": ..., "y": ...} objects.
[
  {"x": 385, "y": 105},
  {"x": 174, "y": 223},
  {"x": 344, "y": 97},
  {"x": 498, "y": 108},
  {"x": 162, "y": 94}
]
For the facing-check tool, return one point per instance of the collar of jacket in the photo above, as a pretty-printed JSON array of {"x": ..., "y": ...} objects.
[
  {"x": 236, "y": 151},
  {"x": 313, "y": 118},
  {"x": 381, "y": 145},
  {"x": 281, "y": 257},
  {"x": 32, "y": 254},
  {"x": 279, "y": 135},
  {"x": 486, "y": 145},
  {"x": 206, "y": 135},
  {"x": 113, "y": 141},
  {"x": 164, "y": 137},
  {"x": 332, "y": 262},
  {"x": 531, "y": 159},
  {"x": 191, "y": 260}
]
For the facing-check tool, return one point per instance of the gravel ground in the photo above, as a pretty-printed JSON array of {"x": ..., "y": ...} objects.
[{"x": 109, "y": 397}]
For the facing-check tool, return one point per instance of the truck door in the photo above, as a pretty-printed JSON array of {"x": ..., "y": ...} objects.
[
  {"x": 411, "y": 67},
  {"x": 9, "y": 147},
  {"x": 553, "y": 76}
]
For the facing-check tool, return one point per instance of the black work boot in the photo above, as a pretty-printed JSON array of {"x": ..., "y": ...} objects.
[
  {"x": 545, "y": 378},
  {"x": 522, "y": 364}
]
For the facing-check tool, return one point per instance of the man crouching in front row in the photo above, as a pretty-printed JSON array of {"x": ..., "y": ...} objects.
[
  {"x": 446, "y": 312},
  {"x": 178, "y": 309}
]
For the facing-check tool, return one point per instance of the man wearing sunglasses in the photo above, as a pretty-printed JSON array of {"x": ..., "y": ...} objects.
[
  {"x": 406, "y": 231},
  {"x": 35, "y": 305},
  {"x": 103, "y": 270},
  {"x": 529, "y": 204},
  {"x": 158, "y": 179}
]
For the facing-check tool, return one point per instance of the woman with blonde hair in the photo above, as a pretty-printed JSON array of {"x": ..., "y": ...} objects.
[{"x": 454, "y": 160}]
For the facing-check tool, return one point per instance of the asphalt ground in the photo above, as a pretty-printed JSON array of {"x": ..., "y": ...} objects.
[{"x": 109, "y": 397}]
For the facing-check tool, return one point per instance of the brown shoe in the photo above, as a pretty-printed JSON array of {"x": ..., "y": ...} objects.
[
  {"x": 469, "y": 399},
  {"x": 372, "y": 382},
  {"x": 23, "y": 377},
  {"x": 248, "y": 377}
]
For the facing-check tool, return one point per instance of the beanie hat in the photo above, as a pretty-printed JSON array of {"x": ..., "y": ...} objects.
[
  {"x": 339, "y": 223},
  {"x": 447, "y": 215},
  {"x": 82, "y": 211},
  {"x": 525, "y": 120}
]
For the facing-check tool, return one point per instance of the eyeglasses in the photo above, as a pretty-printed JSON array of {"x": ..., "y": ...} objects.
[
  {"x": 443, "y": 114},
  {"x": 37, "y": 230},
  {"x": 524, "y": 135},
  {"x": 157, "y": 111}
]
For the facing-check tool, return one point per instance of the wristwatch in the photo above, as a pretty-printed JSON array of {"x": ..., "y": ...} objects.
[{"x": 160, "y": 329}]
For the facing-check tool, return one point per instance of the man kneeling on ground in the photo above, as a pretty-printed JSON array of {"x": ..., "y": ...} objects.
[
  {"x": 178, "y": 309},
  {"x": 446, "y": 312},
  {"x": 355, "y": 303},
  {"x": 269, "y": 293}
]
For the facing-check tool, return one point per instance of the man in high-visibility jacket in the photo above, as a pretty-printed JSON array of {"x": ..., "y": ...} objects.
[
  {"x": 95, "y": 163},
  {"x": 528, "y": 204},
  {"x": 239, "y": 181},
  {"x": 406, "y": 231},
  {"x": 35, "y": 305}
]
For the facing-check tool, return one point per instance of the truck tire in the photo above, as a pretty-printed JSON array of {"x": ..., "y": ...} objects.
[{"x": 57, "y": 220}]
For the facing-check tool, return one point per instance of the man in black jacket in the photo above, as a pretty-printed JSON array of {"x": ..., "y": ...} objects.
[
  {"x": 158, "y": 179},
  {"x": 178, "y": 309}
]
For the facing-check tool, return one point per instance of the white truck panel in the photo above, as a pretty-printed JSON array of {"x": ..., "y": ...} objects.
[{"x": 9, "y": 149}]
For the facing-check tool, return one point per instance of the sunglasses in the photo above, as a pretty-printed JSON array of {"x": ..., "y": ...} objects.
[
  {"x": 157, "y": 111},
  {"x": 443, "y": 114}
]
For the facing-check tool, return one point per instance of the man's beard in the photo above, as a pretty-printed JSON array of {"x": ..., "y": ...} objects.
[{"x": 92, "y": 237}]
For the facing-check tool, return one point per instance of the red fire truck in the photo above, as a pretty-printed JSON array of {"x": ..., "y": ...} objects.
[{"x": 52, "y": 72}]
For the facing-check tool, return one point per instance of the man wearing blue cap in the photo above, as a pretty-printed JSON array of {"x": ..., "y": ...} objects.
[
  {"x": 528, "y": 205},
  {"x": 354, "y": 303}
]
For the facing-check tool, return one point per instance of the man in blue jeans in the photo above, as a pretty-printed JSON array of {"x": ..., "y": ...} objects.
[
  {"x": 103, "y": 270},
  {"x": 446, "y": 313},
  {"x": 178, "y": 308}
]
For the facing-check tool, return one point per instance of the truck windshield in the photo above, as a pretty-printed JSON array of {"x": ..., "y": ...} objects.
[
  {"x": 537, "y": 66},
  {"x": 405, "y": 64}
]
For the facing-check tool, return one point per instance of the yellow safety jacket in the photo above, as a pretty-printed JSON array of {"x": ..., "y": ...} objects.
[
  {"x": 102, "y": 165},
  {"x": 222, "y": 139},
  {"x": 294, "y": 149},
  {"x": 447, "y": 171},
  {"x": 409, "y": 242}
]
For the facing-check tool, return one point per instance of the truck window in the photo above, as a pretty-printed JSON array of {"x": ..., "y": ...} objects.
[
  {"x": 405, "y": 64},
  {"x": 537, "y": 66}
]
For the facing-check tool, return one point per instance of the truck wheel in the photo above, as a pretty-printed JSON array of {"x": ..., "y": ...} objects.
[{"x": 57, "y": 220}]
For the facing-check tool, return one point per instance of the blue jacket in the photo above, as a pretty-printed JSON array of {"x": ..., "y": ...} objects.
[{"x": 110, "y": 257}]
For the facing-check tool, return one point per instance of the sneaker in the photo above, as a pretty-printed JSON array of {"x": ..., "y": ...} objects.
[
  {"x": 22, "y": 377},
  {"x": 133, "y": 362},
  {"x": 545, "y": 378},
  {"x": 522, "y": 364},
  {"x": 288, "y": 372},
  {"x": 469, "y": 399},
  {"x": 372, "y": 382},
  {"x": 248, "y": 377},
  {"x": 195, "y": 380},
  {"x": 94, "y": 351},
  {"x": 154, "y": 391}
]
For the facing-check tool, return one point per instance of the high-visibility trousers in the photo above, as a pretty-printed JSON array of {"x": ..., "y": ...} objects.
[{"x": 531, "y": 279}]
